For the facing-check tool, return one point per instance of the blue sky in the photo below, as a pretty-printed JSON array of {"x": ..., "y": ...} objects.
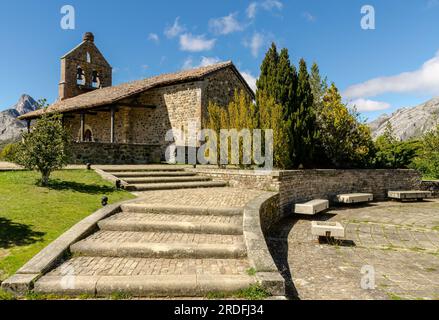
[{"x": 395, "y": 65}]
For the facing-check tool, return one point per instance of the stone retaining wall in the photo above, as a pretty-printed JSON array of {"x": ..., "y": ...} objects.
[
  {"x": 248, "y": 179},
  {"x": 431, "y": 185},
  {"x": 303, "y": 185},
  {"x": 107, "y": 153}
]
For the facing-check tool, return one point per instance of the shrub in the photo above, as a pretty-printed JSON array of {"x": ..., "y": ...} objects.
[
  {"x": 428, "y": 159},
  {"x": 9, "y": 152},
  {"x": 45, "y": 148}
]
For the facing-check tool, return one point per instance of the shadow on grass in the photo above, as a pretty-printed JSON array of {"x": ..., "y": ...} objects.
[
  {"x": 60, "y": 185},
  {"x": 17, "y": 234}
]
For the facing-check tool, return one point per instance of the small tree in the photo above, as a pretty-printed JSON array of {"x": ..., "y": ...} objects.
[
  {"x": 45, "y": 148},
  {"x": 428, "y": 160},
  {"x": 346, "y": 140}
]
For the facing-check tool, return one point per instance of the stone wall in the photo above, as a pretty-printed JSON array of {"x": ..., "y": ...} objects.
[
  {"x": 304, "y": 185},
  {"x": 107, "y": 153},
  {"x": 247, "y": 179},
  {"x": 220, "y": 88},
  {"x": 431, "y": 185}
]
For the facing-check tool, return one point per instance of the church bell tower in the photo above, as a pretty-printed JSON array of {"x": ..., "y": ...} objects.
[{"x": 84, "y": 69}]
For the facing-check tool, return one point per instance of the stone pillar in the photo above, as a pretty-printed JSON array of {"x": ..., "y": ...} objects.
[
  {"x": 112, "y": 131},
  {"x": 81, "y": 138}
]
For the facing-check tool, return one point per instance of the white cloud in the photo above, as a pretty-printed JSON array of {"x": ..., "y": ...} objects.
[
  {"x": 272, "y": 4},
  {"x": 308, "y": 16},
  {"x": 175, "y": 29},
  {"x": 204, "y": 62},
  {"x": 192, "y": 43},
  {"x": 365, "y": 105},
  {"x": 255, "y": 43},
  {"x": 251, "y": 10},
  {"x": 267, "y": 5},
  {"x": 225, "y": 25},
  {"x": 425, "y": 80},
  {"x": 251, "y": 80},
  {"x": 154, "y": 37}
]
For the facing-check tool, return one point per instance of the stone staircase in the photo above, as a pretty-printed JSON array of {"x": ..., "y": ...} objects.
[
  {"x": 150, "y": 250},
  {"x": 161, "y": 179}
]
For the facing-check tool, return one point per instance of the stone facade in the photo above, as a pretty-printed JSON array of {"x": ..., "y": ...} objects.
[
  {"x": 117, "y": 153},
  {"x": 174, "y": 107}
]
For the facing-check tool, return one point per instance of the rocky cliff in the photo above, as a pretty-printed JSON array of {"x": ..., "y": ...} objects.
[
  {"x": 10, "y": 126},
  {"x": 409, "y": 123}
]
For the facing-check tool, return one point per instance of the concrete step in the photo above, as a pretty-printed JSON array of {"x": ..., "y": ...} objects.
[
  {"x": 170, "y": 186},
  {"x": 144, "y": 174},
  {"x": 146, "y": 180},
  {"x": 181, "y": 210},
  {"x": 144, "y": 285},
  {"x": 160, "y": 245},
  {"x": 173, "y": 223}
]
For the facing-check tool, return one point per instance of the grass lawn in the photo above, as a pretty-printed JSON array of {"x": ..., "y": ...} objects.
[{"x": 31, "y": 216}]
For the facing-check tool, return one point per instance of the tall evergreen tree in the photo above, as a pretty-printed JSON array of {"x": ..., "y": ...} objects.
[
  {"x": 268, "y": 77},
  {"x": 319, "y": 86},
  {"x": 303, "y": 120},
  {"x": 286, "y": 84}
]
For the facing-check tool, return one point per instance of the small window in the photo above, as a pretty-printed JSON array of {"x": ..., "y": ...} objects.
[{"x": 88, "y": 58}]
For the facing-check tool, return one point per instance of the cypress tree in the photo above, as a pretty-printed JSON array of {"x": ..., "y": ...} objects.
[{"x": 267, "y": 79}]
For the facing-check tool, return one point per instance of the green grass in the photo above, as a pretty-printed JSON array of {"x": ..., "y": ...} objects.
[
  {"x": 31, "y": 216},
  {"x": 251, "y": 271},
  {"x": 254, "y": 292}
]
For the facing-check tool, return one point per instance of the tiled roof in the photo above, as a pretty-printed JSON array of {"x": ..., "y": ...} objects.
[{"x": 111, "y": 95}]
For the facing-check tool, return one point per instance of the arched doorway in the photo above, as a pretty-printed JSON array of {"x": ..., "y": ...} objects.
[{"x": 88, "y": 136}]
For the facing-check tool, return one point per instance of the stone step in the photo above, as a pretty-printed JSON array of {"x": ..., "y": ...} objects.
[
  {"x": 170, "y": 186},
  {"x": 173, "y": 223},
  {"x": 181, "y": 210},
  {"x": 146, "y": 180},
  {"x": 144, "y": 170},
  {"x": 144, "y": 174},
  {"x": 144, "y": 286},
  {"x": 160, "y": 245}
]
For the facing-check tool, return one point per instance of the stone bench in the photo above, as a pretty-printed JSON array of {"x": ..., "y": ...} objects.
[
  {"x": 312, "y": 207},
  {"x": 327, "y": 229},
  {"x": 354, "y": 198},
  {"x": 409, "y": 195}
]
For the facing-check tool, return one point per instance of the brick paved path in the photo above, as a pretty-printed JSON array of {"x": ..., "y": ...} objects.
[{"x": 399, "y": 240}]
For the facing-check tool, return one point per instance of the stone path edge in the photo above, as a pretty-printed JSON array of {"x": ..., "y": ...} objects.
[
  {"x": 22, "y": 281},
  {"x": 258, "y": 254}
]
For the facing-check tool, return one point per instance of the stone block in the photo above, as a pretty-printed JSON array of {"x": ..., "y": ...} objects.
[
  {"x": 327, "y": 229},
  {"x": 311, "y": 207},
  {"x": 354, "y": 197},
  {"x": 19, "y": 283},
  {"x": 409, "y": 195}
]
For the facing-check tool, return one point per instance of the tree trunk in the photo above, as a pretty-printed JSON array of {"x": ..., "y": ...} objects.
[{"x": 45, "y": 178}]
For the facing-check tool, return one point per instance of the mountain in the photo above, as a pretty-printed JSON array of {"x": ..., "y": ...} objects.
[
  {"x": 409, "y": 123},
  {"x": 10, "y": 126}
]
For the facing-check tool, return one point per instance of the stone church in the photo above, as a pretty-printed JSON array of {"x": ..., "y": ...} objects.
[{"x": 127, "y": 123}]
